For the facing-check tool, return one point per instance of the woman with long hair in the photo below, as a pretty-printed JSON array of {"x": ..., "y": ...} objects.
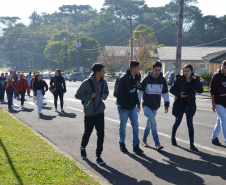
[
  {"x": 58, "y": 85},
  {"x": 39, "y": 87},
  {"x": 9, "y": 85},
  {"x": 22, "y": 87},
  {"x": 31, "y": 84},
  {"x": 184, "y": 89}
]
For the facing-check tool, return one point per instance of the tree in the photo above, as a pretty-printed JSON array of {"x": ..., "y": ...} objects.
[
  {"x": 9, "y": 21},
  {"x": 111, "y": 62},
  {"x": 206, "y": 77}
]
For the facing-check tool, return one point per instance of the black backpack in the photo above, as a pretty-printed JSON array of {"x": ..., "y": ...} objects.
[
  {"x": 116, "y": 87},
  {"x": 93, "y": 89}
]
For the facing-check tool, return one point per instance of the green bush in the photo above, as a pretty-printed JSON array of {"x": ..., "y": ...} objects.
[{"x": 206, "y": 77}]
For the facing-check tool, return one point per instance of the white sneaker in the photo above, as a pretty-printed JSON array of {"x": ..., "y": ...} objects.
[
  {"x": 56, "y": 110},
  {"x": 62, "y": 110},
  {"x": 22, "y": 106}
]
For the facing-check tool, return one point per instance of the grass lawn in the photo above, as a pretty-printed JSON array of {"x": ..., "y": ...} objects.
[
  {"x": 206, "y": 89},
  {"x": 3, "y": 68},
  {"x": 26, "y": 159}
]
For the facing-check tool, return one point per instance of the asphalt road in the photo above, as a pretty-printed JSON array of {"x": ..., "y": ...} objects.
[{"x": 173, "y": 165}]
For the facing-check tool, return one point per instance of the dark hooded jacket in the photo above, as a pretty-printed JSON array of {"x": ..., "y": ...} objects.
[
  {"x": 176, "y": 90},
  {"x": 127, "y": 97}
]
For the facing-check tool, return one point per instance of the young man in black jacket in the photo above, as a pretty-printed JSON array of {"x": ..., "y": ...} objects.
[{"x": 129, "y": 105}]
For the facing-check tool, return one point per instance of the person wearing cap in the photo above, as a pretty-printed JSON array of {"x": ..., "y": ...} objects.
[
  {"x": 129, "y": 106},
  {"x": 93, "y": 108}
]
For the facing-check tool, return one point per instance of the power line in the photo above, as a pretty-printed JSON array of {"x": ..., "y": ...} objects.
[{"x": 209, "y": 43}]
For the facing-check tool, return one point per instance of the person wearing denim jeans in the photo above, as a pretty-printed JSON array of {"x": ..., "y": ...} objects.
[
  {"x": 124, "y": 114},
  {"x": 218, "y": 96},
  {"x": 9, "y": 86},
  {"x": 184, "y": 89},
  {"x": 153, "y": 87},
  {"x": 129, "y": 105},
  {"x": 39, "y": 87}
]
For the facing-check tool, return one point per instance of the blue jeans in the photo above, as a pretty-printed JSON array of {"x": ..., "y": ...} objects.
[
  {"x": 189, "y": 124},
  {"x": 221, "y": 122},
  {"x": 151, "y": 125},
  {"x": 39, "y": 98},
  {"x": 124, "y": 114},
  {"x": 10, "y": 99}
]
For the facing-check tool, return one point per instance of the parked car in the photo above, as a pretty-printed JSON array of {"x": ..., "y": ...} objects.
[
  {"x": 65, "y": 75},
  {"x": 46, "y": 75},
  {"x": 204, "y": 84},
  {"x": 52, "y": 74},
  {"x": 76, "y": 77},
  {"x": 171, "y": 78}
]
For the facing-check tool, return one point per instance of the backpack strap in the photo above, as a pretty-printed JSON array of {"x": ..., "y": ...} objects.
[
  {"x": 91, "y": 85},
  {"x": 102, "y": 88}
]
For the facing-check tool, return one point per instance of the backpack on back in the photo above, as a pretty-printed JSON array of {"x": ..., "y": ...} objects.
[{"x": 116, "y": 87}]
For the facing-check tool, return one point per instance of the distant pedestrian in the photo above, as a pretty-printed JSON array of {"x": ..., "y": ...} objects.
[
  {"x": 129, "y": 105},
  {"x": 58, "y": 85},
  {"x": 31, "y": 85},
  {"x": 15, "y": 77},
  {"x": 2, "y": 90},
  {"x": 22, "y": 87},
  {"x": 6, "y": 75},
  {"x": 93, "y": 91},
  {"x": 184, "y": 89},
  {"x": 9, "y": 86},
  {"x": 152, "y": 88},
  {"x": 218, "y": 96},
  {"x": 29, "y": 77},
  {"x": 39, "y": 87}
]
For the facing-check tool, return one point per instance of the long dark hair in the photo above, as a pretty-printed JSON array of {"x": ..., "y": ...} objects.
[
  {"x": 59, "y": 72},
  {"x": 36, "y": 79},
  {"x": 184, "y": 78}
]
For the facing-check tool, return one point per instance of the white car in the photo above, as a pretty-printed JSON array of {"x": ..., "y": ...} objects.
[{"x": 46, "y": 75}]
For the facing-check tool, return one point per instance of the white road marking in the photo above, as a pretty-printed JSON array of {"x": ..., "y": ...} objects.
[
  {"x": 164, "y": 135},
  {"x": 75, "y": 100}
]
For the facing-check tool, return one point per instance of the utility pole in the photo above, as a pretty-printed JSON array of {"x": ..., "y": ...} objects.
[
  {"x": 131, "y": 35},
  {"x": 179, "y": 38},
  {"x": 77, "y": 45}
]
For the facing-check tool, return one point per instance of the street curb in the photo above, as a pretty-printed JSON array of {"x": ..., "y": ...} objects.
[{"x": 57, "y": 148}]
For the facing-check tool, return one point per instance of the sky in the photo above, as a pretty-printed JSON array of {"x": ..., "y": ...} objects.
[{"x": 24, "y": 8}]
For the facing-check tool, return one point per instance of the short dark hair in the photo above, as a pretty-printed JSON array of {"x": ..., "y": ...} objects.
[
  {"x": 223, "y": 63},
  {"x": 157, "y": 64},
  {"x": 97, "y": 67},
  {"x": 134, "y": 63}
]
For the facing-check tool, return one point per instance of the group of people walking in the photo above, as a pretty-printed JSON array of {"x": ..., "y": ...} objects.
[
  {"x": 20, "y": 84},
  {"x": 130, "y": 93}
]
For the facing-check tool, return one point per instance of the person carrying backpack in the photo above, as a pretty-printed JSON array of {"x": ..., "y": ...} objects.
[
  {"x": 129, "y": 105},
  {"x": 92, "y": 92},
  {"x": 152, "y": 88}
]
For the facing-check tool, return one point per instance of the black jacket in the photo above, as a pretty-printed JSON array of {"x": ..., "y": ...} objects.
[
  {"x": 40, "y": 85},
  {"x": 59, "y": 83},
  {"x": 127, "y": 97},
  {"x": 176, "y": 90}
]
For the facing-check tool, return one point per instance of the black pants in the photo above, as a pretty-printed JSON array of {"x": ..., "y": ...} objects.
[
  {"x": 22, "y": 93},
  {"x": 90, "y": 122},
  {"x": 61, "y": 95},
  {"x": 2, "y": 94}
]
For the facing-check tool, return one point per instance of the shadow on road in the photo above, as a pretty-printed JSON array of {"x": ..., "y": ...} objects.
[
  {"x": 67, "y": 115},
  {"x": 114, "y": 176},
  {"x": 208, "y": 164},
  {"x": 46, "y": 117},
  {"x": 27, "y": 110},
  {"x": 168, "y": 172},
  {"x": 11, "y": 163}
]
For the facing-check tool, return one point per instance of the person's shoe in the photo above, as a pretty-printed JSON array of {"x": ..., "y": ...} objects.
[
  {"x": 159, "y": 147},
  {"x": 62, "y": 110},
  {"x": 123, "y": 148},
  {"x": 39, "y": 113},
  {"x": 145, "y": 144},
  {"x": 100, "y": 161},
  {"x": 216, "y": 142},
  {"x": 193, "y": 148},
  {"x": 22, "y": 106},
  {"x": 83, "y": 153},
  {"x": 55, "y": 109},
  {"x": 137, "y": 150},
  {"x": 173, "y": 141}
]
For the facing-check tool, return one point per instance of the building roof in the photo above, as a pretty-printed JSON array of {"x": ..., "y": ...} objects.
[
  {"x": 216, "y": 57},
  {"x": 188, "y": 53},
  {"x": 121, "y": 51}
]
